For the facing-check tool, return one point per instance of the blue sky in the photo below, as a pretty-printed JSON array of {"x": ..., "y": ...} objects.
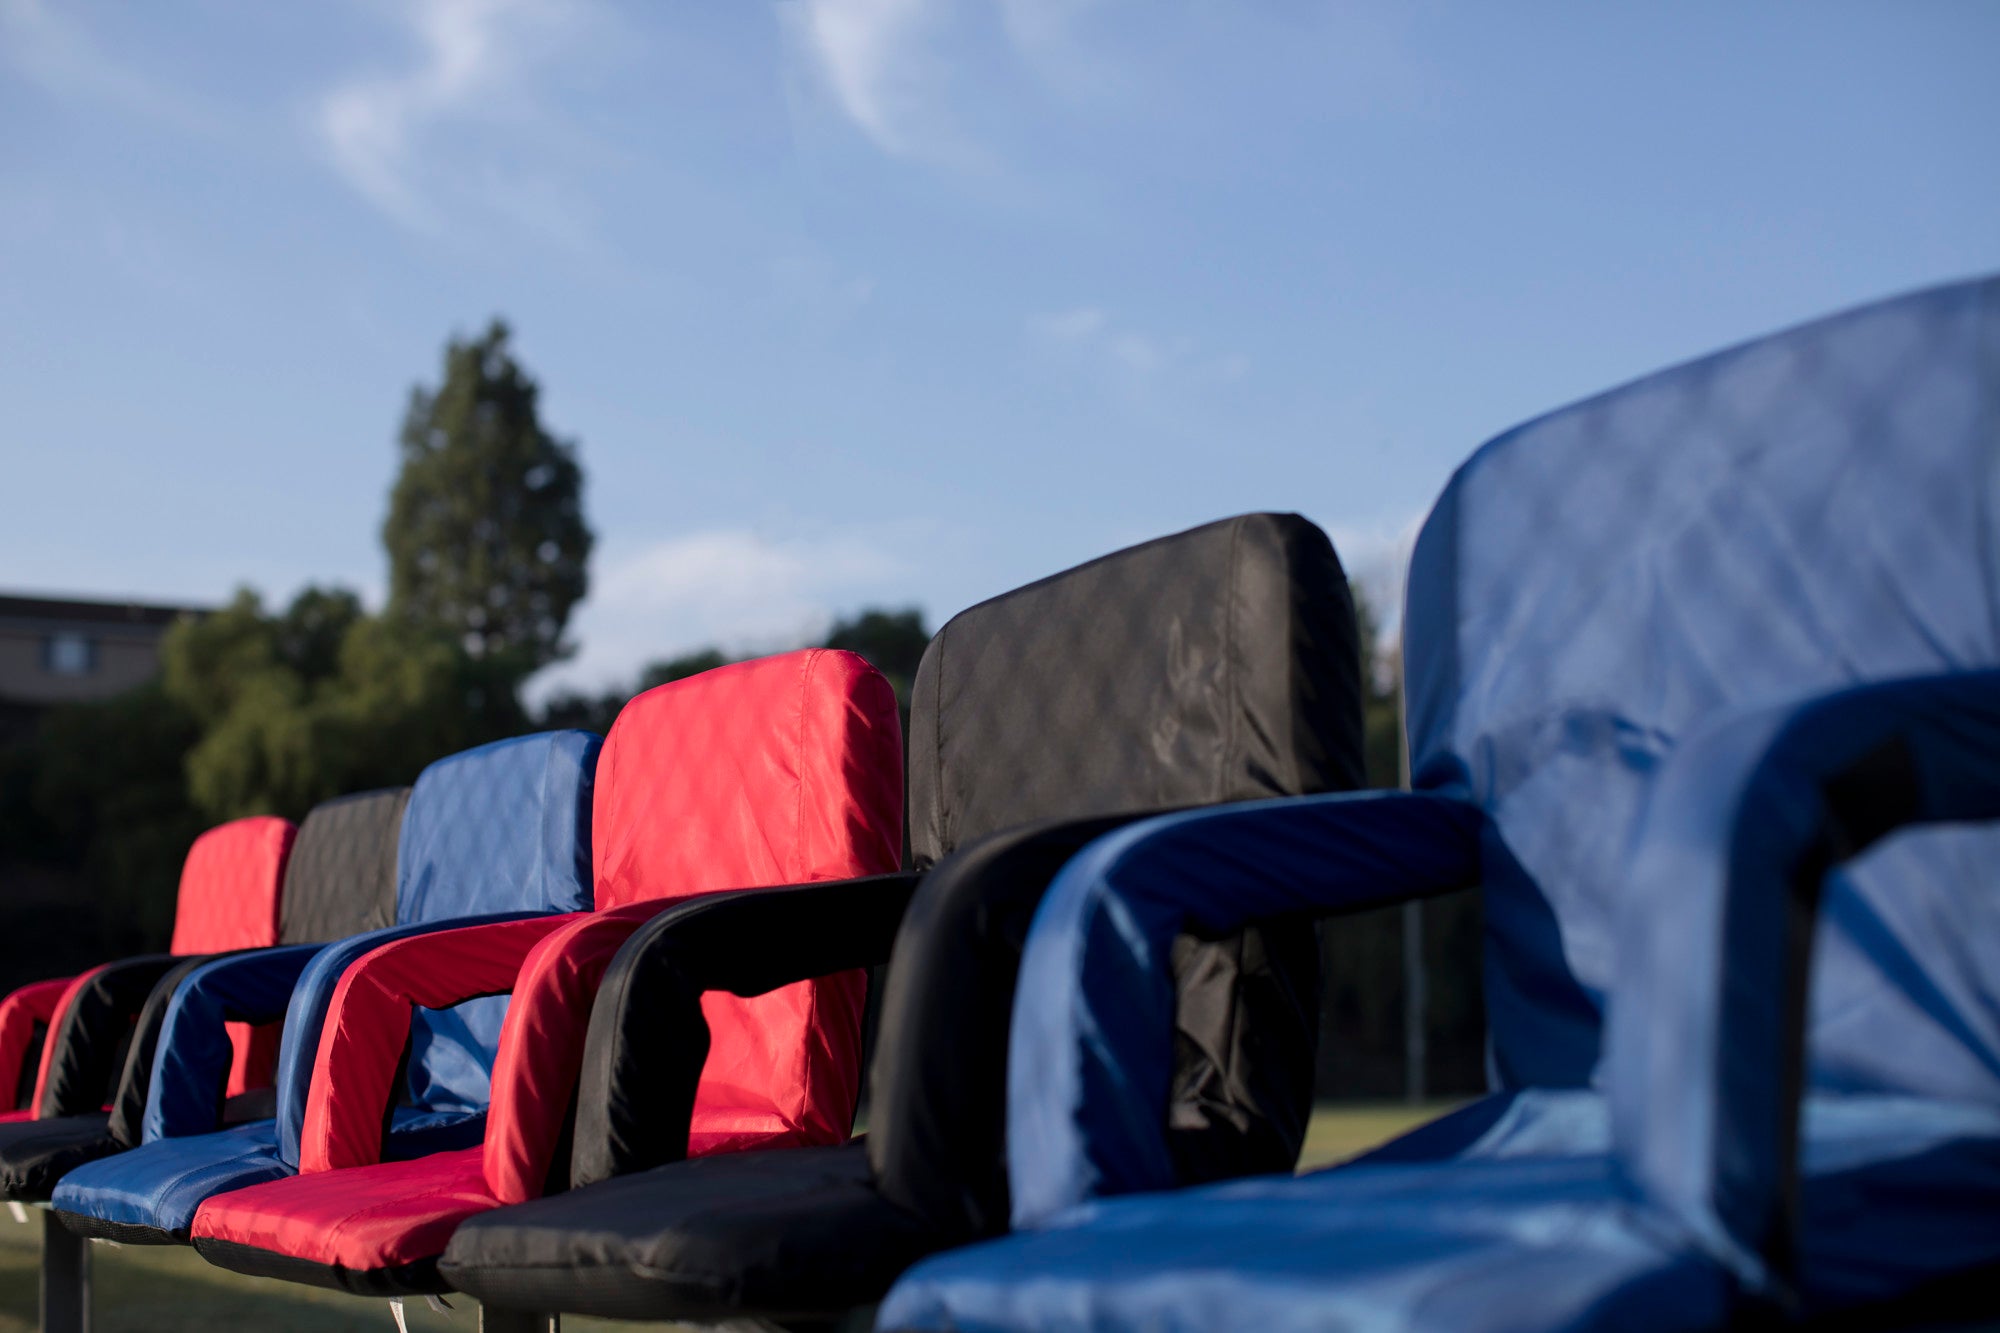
[{"x": 865, "y": 301}]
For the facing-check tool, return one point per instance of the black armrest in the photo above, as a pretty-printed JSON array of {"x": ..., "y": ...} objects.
[
  {"x": 648, "y": 1040},
  {"x": 89, "y": 1043}
]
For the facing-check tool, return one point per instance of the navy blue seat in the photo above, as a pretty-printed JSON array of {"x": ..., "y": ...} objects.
[
  {"x": 493, "y": 833},
  {"x": 1704, "y": 688}
]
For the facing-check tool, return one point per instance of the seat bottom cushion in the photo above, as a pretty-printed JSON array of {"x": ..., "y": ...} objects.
[
  {"x": 791, "y": 1233},
  {"x": 36, "y": 1154},
  {"x": 1524, "y": 1243},
  {"x": 149, "y": 1195},
  {"x": 353, "y": 1230},
  {"x": 1897, "y": 1199}
]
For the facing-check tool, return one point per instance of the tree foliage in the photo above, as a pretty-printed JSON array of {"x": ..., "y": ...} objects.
[
  {"x": 316, "y": 701},
  {"x": 486, "y": 532}
]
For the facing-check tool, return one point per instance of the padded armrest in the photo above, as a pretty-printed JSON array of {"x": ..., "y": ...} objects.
[
  {"x": 34, "y": 1003},
  {"x": 82, "y": 1057},
  {"x": 1090, "y": 1058},
  {"x": 298, "y": 1048},
  {"x": 648, "y": 1039},
  {"x": 368, "y": 1024},
  {"x": 938, "y": 1100},
  {"x": 190, "y": 1065},
  {"x": 542, "y": 1046},
  {"x": 128, "y": 1105},
  {"x": 1706, "y": 1044}
]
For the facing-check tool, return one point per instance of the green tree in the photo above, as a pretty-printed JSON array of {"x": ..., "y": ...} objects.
[
  {"x": 319, "y": 700},
  {"x": 486, "y": 533},
  {"x": 892, "y": 641}
]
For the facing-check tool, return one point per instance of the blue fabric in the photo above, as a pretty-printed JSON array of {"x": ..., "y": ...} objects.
[
  {"x": 1091, "y": 1049},
  {"x": 1697, "y": 1064},
  {"x": 1688, "y": 647},
  {"x": 1513, "y": 1236},
  {"x": 298, "y": 1047},
  {"x": 504, "y": 827},
  {"x": 1788, "y": 518},
  {"x": 191, "y": 1062},
  {"x": 494, "y": 834},
  {"x": 162, "y": 1184}
]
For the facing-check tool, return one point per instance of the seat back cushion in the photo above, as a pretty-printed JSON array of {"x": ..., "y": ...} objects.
[
  {"x": 341, "y": 879},
  {"x": 1806, "y": 512},
  {"x": 1218, "y": 664},
  {"x": 503, "y": 827},
  {"x": 230, "y": 895},
  {"x": 783, "y": 770}
]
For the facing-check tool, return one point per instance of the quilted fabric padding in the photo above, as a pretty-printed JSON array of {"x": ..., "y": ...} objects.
[
  {"x": 499, "y": 828},
  {"x": 778, "y": 771},
  {"x": 782, "y": 770},
  {"x": 1787, "y": 518},
  {"x": 1218, "y": 664},
  {"x": 341, "y": 879},
  {"x": 229, "y": 886}
]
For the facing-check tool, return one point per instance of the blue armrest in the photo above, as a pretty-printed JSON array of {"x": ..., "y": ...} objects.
[
  {"x": 191, "y": 1061},
  {"x": 313, "y": 996},
  {"x": 1706, "y": 1035},
  {"x": 1090, "y": 1057}
]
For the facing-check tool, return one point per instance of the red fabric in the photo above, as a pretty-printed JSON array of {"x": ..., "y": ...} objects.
[
  {"x": 229, "y": 900},
  {"x": 31, "y": 1004},
  {"x": 62, "y": 1004},
  {"x": 229, "y": 886},
  {"x": 541, "y": 1046},
  {"x": 366, "y": 1218},
  {"x": 784, "y": 770},
  {"x": 368, "y": 1021}
]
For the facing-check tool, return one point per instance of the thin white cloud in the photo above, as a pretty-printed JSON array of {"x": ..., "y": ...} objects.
[
  {"x": 473, "y": 57},
  {"x": 870, "y": 53},
  {"x": 1092, "y": 336},
  {"x": 729, "y": 587},
  {"x": 53, "y": 48}
]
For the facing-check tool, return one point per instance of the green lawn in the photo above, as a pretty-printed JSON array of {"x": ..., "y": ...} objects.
[{"x": 147, "y": 1289}]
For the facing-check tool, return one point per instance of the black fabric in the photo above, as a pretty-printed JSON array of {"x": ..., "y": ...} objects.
[
  {"x": 938, "y": 1112},
  {"x": 1219, "y": 664},
  {"x": 124, "y": 1233},
  {"x": 94, "y": 1032},
  {"x": 795, "y": 1233},
  {"x": 647, "y": 1038},
  {"x": 128, "y": 1105},
  {"x": 31, "y": 1067},
  {"x": 35, "y": 1154},
  {"x": 341, "y": 877},
  {"x": 413, "y": 1279}
]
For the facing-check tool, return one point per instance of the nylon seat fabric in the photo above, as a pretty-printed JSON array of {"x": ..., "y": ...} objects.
[
  {"x": 339, "y": 880},
  {"x": 228, "y": 898},
  {"x": 1213, "y": 665},
  {"x": 782, "y": 770},
  {"x": 379, "y": 866},
  {"x": 1713, "y": 657}
]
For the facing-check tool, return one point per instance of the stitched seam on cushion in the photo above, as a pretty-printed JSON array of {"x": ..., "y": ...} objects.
[
  {"x": 1230, "y": 704},
  {"x": 796, "y": 871},
  {"x": 937, "y": 746}
]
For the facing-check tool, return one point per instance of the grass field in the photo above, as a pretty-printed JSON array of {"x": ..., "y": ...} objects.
[{"x": 144, "y": 1289}]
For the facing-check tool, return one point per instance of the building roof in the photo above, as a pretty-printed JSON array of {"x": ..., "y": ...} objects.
[{"x": 85, "y": 611}]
